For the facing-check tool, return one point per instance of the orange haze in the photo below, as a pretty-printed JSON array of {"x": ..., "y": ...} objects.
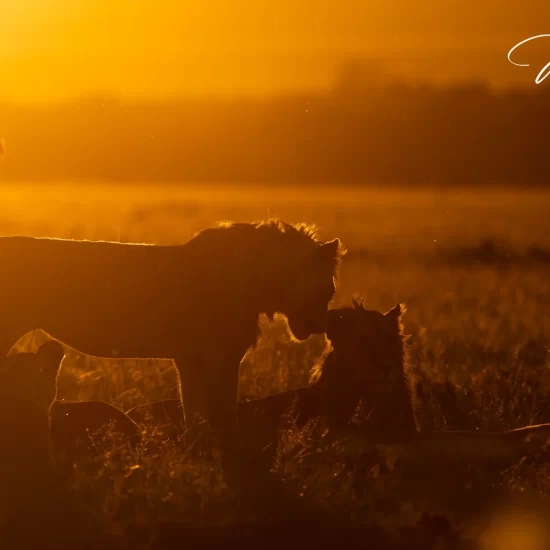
[{"x": 172, "y": 47}]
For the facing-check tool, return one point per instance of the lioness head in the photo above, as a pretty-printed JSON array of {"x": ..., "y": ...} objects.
[
  {"x": 369, "y": 344},
  {"x": 33, "y": 376},
  {"x": 310, "y": 291}
]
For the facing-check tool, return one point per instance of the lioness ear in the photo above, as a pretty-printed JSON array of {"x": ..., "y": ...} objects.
[
  {"x": 329, "y": 251},
  {"x": 51, "y": 355}
]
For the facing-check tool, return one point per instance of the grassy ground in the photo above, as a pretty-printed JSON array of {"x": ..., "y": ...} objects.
[{"x": 472, "y": 270}]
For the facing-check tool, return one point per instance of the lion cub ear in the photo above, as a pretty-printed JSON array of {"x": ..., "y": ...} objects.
[
  {"x": 51, "y": 355},
  {"x": 396, "y": 312}
]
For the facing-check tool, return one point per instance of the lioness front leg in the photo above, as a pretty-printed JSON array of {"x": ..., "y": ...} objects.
[
  {"x": 221, "y": 401},
  {"x": 192, "y": 386},
  {"x": 209, "y": 387}
]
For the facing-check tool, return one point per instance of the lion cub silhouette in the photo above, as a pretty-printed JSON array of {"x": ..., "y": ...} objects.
[
  {"x": 361, "y": 382},
  {"x": 27, "y": 389},
  {"x": 36, "y": 428},
  {"x": 33, "y": 376}
]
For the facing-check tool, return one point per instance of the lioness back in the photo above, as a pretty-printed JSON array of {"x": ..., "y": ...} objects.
[{"x": 101, "y": 298}]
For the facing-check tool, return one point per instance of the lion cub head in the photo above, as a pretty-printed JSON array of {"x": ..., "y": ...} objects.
[
  {"x": 368, "y": 365},
  {"x": 33, "y": 376},
  {"x": 368, "y": 344}
]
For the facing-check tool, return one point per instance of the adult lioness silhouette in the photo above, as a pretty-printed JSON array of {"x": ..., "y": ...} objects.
[{"x": 197, "y": 303}]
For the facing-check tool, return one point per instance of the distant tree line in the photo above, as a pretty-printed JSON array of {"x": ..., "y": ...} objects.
[{"x": 361, "y": 131}]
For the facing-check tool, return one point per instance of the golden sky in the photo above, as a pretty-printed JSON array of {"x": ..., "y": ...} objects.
[{"x": 159, "y": 48}]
